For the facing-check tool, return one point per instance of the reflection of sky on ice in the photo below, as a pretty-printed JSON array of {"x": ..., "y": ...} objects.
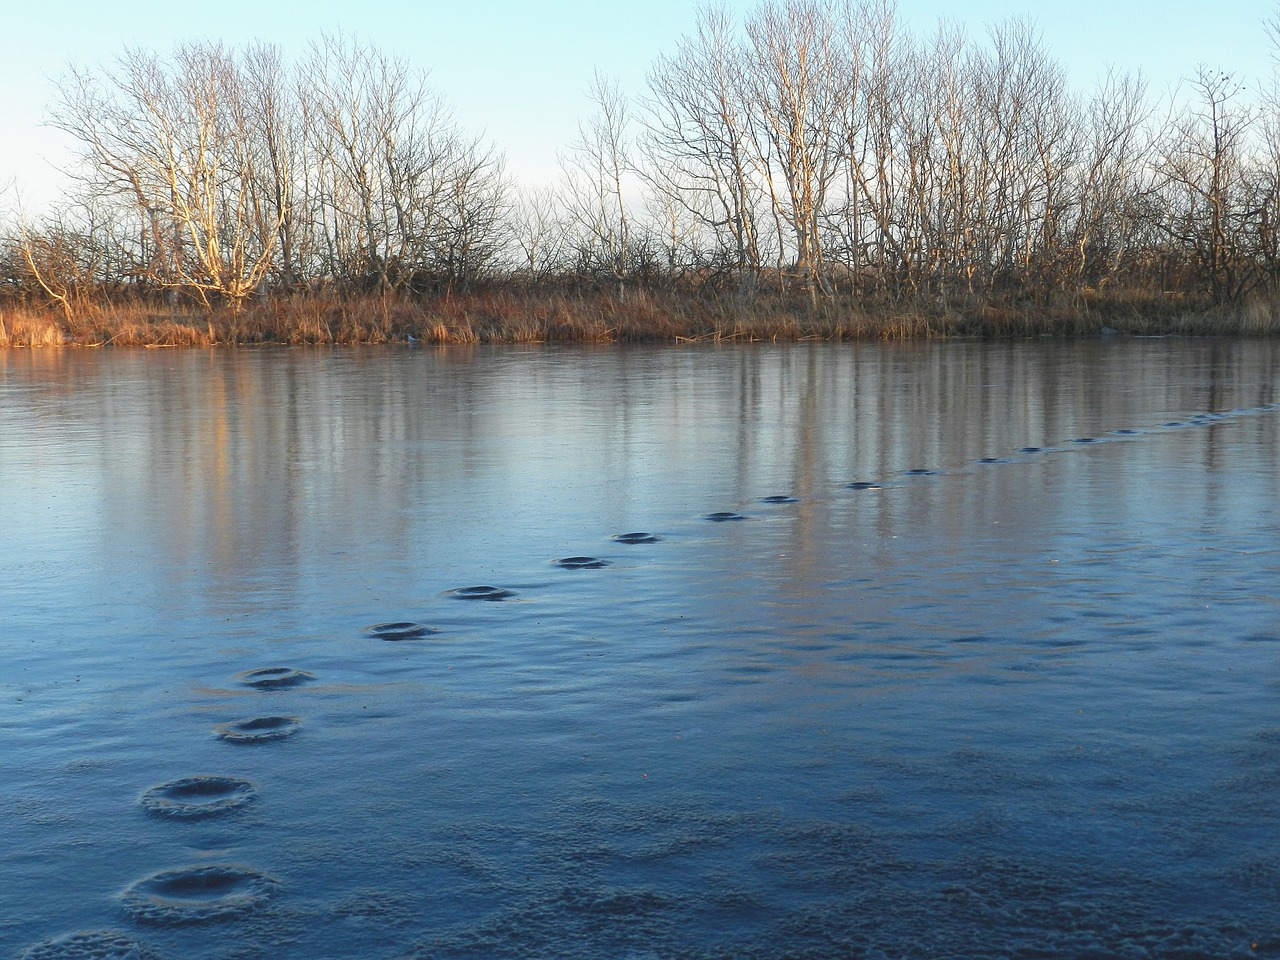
[{"x": 1030, "y": 697}]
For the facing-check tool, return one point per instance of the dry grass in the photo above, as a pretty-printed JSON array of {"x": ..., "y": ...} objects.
[
  {"x": 21, "y": 329},
  {"x": 522, "y": 315},
  {"x": 1260, "y": 316}
]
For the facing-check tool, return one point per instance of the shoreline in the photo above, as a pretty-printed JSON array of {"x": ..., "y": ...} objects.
[{"x": 523, "y": 316}]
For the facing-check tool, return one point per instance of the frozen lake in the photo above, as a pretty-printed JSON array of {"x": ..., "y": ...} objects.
[{"x": 999, "y": 678}]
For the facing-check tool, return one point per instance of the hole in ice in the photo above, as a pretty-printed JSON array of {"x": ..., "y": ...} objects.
[
  {"x": 274, "y": 678},
  {"x": 257, "y": 729},
  {"x": 398, "y": 630},
  {"x": 194, "y": 797},
  {"x": 482, "y": 593},
  {"x": 581, "y": 563},
  {"x": 637, "y": 538},
  {"x": 198, "y": 894}
]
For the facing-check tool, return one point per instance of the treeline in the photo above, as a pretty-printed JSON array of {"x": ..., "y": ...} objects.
[{"x": 809, "y": 160}]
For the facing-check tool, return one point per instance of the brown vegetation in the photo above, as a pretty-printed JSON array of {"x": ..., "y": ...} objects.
[{"x": 544, "y": 316}]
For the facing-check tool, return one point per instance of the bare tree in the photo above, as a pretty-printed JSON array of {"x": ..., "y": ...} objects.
[
  {"x": 797, "y": 93},
  {"x": 861, "y": 225},
  {"x": 275, "y": 120},
  {"x": 469, "y": 233},
  {"x": 1201, "y": 161},
  {"x": 1264, "y": 181},
  {"x": 1107, "y": 178},
  {"x": 596, "y": 191},
  {"x": 379, "y": 138},
  {"x": 54, "y": 259},
  {"x": 538, "y": 233},
  {"x": 695, "y": 144},
  {"x": 173, "y": 139}
]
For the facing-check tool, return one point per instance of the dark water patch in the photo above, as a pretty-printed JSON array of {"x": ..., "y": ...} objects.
[
  {"x": 257, "y": 729},
  {"x": 581, "y": 563},
  {"x": 862, "y": 485},
  {"x": 990, "y": 908},
  {"x": 1173, "y": 423},
  {"x": 867, "y": 794},
  {"x": 1259, "y": 872},
  {"x": 484, "y": 592},
  {"x": 198, "y": 894},
  {"x": 904, "y": 664},
  {"x": 1023, "y": 910},
  {"x": 679, "y": 697},
  {"x": 817, "y": 855},
  {"x": 583, "y": 920},
  {"x": 1031, "y": 449},
  {"x": 780, "y": 498},
  {"x": 384, "y": 908},
  {"x": 398, "y": 630},
  {"x": 1262, "y": 745},
  {"x": 1053, "y": 640},
  {"x": 637, "y": 537},
  {"x": 1086, "y": 440},
  {"x": 750, "y": 669},
  {"x": 614, "y": 902},
  {"x": 1126, "y": 433},
  {"x": 90, "y": 945},
  {"x": 988, "y": 772},
  {"x": 193, "y": 798},
  {"x": 993, "y": 460},
  {"x": 896, "y": 656},
  {"x": 864, "y": 626},
  {"x": 808, "y": 840},
  {"x": 920, "y": 472},
  {"x": 274, "y": 678},
  {"x": 723, "y": 516},
  {"x": 644, "y": 831}
]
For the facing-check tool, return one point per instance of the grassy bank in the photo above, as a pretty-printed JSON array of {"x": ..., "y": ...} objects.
[{"x": 522, "y": 316}]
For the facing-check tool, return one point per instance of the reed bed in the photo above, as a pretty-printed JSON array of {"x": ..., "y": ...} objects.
[{"x": 516, "y": 315}]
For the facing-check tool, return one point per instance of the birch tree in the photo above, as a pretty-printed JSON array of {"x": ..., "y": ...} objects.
[
  {"x": 173, "y": 139},
  {"x": 695, "y": 145},
  {"x": 596, "y": 171},
  {"x": 376, "y": 139},
  {"x": 796, "y": 89}
]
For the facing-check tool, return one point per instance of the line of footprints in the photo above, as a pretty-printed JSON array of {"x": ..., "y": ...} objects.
[{"x": 205, "y": 892}]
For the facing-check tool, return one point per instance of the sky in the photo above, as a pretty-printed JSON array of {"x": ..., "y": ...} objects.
[{"x": 519, "y": 71}]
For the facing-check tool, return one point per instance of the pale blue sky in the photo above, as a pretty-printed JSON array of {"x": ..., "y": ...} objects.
[{"x": 519, "y": 71}]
